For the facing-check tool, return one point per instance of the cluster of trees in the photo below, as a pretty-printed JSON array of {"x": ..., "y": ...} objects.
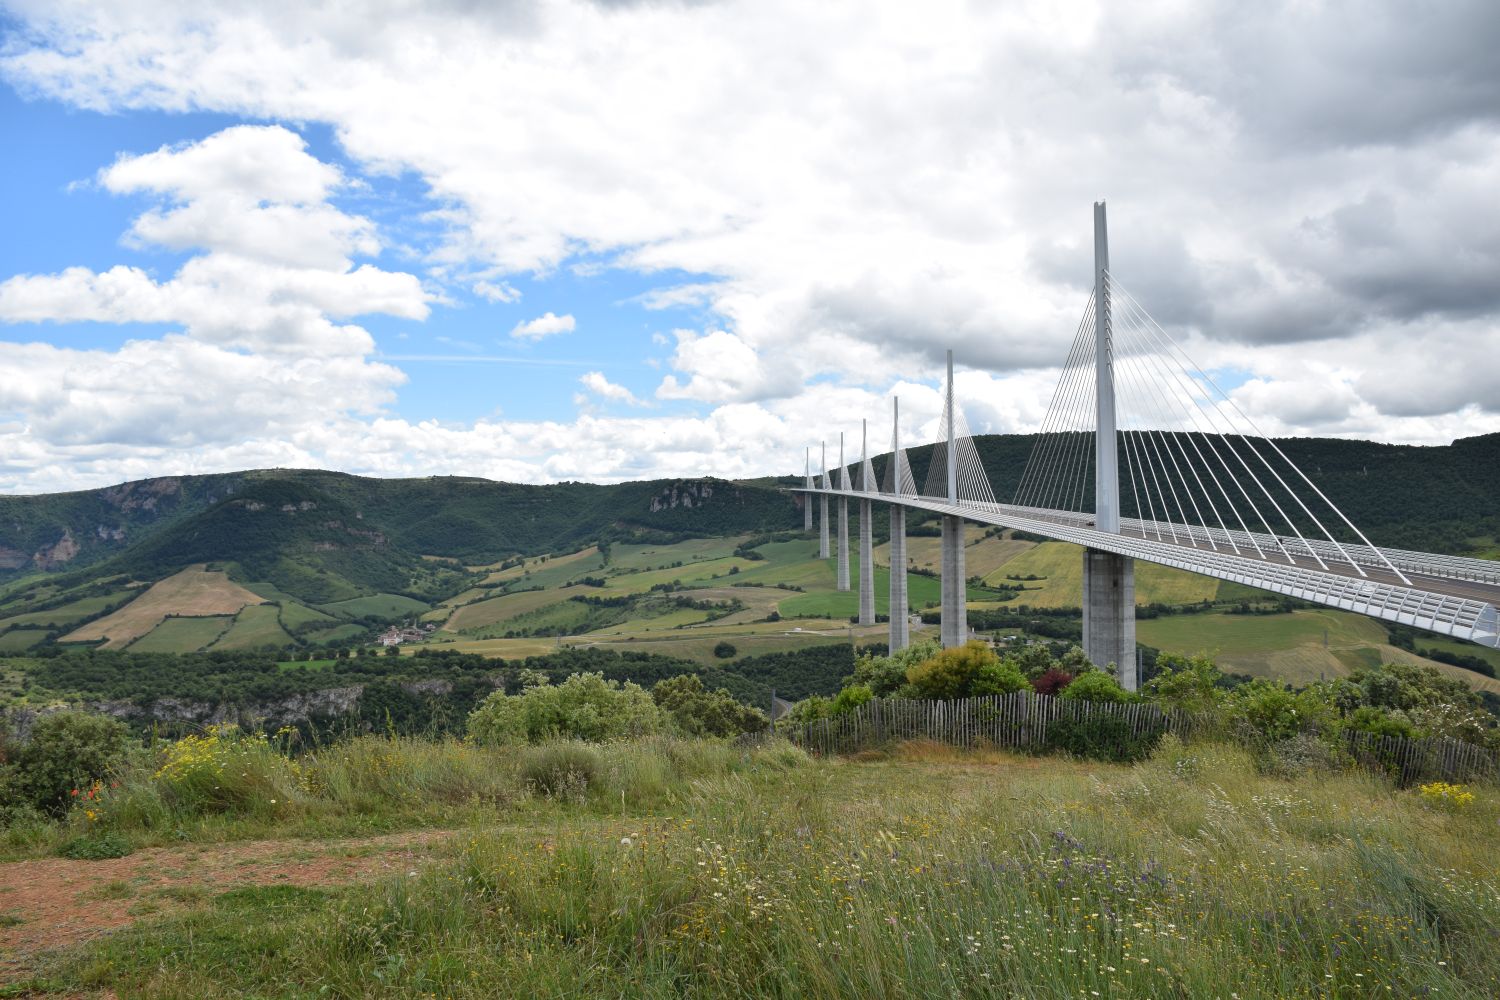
[
  {"x": 589, "y": 707},
  {"x": 1395, "y": 699}
]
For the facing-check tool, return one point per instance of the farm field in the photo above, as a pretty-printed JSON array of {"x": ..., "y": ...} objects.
[
  {"x": 255, "y": 626},
  {"x": 1061, "y": 564},
  {"x": 499, "y": 609},
  {"x": 67, "y": 614},
  {"x": 683, "y": 864},
  {"x": 183, "y": 635},
  {"x": 21, "y": 639},
  {"x": 376, "y": 605},
  {"x": 195, "y": 591},
  {"x": 1289, "y": 647}
]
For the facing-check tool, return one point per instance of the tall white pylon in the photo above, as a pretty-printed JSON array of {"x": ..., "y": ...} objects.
[
  {"x": 823, "y": 509},
  {"x": 841, "y": 561},
  {"x": 955, "y": 612},
  {"x": 900, "y": 636},
  {"x": 807, "y": 481},
  {"x": 866, "y": 532},
  {"x": 1108, "y": 578}
]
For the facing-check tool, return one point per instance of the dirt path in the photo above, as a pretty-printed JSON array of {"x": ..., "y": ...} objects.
[{"x": 53, "y": 902}]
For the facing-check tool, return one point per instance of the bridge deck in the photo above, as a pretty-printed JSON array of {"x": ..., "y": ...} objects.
[{"x": 1448, "y": 595}]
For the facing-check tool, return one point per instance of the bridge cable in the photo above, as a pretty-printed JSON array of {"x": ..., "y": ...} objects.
[
  {"x": 1321, "y": 495},
  {"x": 1037, "y": 463}
]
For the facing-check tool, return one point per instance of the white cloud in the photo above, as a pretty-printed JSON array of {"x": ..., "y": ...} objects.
[
  {"x": 600, "y": 386},
  {"x": 496, "y": 291},
  {"x": 545, "y": 325},
  {"x": 843, "y": 213}
]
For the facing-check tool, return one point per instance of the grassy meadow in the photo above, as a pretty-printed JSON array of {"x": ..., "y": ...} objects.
[{"x": 667, "y": 868}]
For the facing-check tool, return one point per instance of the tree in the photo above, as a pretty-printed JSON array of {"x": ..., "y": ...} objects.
[
  {"x": 67, "y": 752},
  {"x": 886, "y": 675},
  {"x": 1095, "y": 685},
  {"x": 1191, "y": 684},
  {"x": 964, "y": 671},
  {"x": 585, "y": 707},
  {"x": 696, "y": 711},
  {"x": 725, "y": 650}
]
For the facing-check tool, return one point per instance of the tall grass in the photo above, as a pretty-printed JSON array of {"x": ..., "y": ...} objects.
[
  {"x": 227, "y": 785},
  {"x": 1190, "y": 875}
]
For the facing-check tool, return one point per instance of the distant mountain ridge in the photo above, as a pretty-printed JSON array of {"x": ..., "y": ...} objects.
[{"x": 330, "y": 535}]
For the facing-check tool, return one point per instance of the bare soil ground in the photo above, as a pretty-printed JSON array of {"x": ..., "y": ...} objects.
[
  {"x": 194, "y": 591},
  {"x": 51, "y": 903}
]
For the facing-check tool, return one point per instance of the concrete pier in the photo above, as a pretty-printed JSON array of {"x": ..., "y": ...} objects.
[
  {"x": 841, "y": 559},
  {"x": 955, "y": 627},
  {"x": 823, "y": 526},
  {"x": 900, "y": 634},
  {"x": 866, "y": 564},
  {"x": 1109, "y": 613},
  {"x": 807, "y": 514}
]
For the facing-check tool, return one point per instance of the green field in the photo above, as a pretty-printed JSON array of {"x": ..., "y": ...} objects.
[
  {"x": 335, "y": 633},
  {"x": 295, "y": 615},
  {"x": 255, "y": 626},
  {"x": 495, "y": 610},
  {"x": 70, "y": 613},
  {"x": 1061, "y": 566},
  {"x": 21, "y": 639},
  {"x": 376, "y": 606},
  {"x": 183, "y": 635},
  {"x": 1289, "y": 647}
]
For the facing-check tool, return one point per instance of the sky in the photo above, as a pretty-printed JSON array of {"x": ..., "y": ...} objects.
[{"x": 541, "y": 241}]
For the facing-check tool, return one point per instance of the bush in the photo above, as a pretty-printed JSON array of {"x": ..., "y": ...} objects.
[
  {"x": 562, "y": 770},
  {"x": 1052, "y": 681},
  {"x": 1102, "y": 737},
  {"x": 67, "y": 753},
  {"x": 849, "y": 699},
  {"x": 886, "y": 675},
  {"x": 965, "y": 671},
  {"x": 1095, "y": 686},
  {"x": 225, "y": 770},
  {"x": 696, "y": 711},
  {"x": 725, "y": 650},
  {"x": 95, "y": 847},
  {"x": 584, "y": 707}
]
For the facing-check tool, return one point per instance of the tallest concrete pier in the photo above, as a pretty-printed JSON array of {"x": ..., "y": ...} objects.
[
  {"x": 955, "y": 610},
  {"x": 1108, "y": 579}
]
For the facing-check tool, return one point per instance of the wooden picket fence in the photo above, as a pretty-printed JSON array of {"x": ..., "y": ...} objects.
[
  {"x": 1412, "y": 762},
  {"x": 1018, "y": 721},
  {"x": 1027, "y": 722}
]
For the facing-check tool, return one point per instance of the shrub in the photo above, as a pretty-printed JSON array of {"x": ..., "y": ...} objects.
[
  {"x": 225, "y": 770},
  {"x": 95, "y": 847},
  {"x": 725, "y": 650},
  {"x": 584, "y": 707},
  {"x": 696, "y": 711},
  {"x": 562, "y": 770},
  {"x": 1102, "y": 737},
  {"x": 67, "y": 753},
  {"x": 885, "y": 675},
  {"x": 1095, "y": 686},
  {"x": 1189, "y": 683},
  {"x": 964, "y": 671},
  {"x": 850, "y": 698},
  {"x": 1445, "y": 796},
  {"x": 1052, "y": 681}
]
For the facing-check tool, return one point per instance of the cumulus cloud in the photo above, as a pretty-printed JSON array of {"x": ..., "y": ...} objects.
[
  {"x": 545, "y": 325},
  {"x": 1299, "y": 192},
  {"x": 596, "y": 383}
]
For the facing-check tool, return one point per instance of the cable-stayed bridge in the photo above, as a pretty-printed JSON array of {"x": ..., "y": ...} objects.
[{"x": 1142, "y": 455}]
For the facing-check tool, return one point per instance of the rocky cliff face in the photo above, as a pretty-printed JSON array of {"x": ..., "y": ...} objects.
[{"x": 686, "y": 495}]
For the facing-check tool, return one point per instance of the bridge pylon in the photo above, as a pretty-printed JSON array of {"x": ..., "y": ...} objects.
[
  {"x": 899, "y": 477},
  {"x": 823, "y": 509},
  {"x": 807, "y": 481},
  {"x": 1108, "y": 578},
  {"x": 841, "y": 560},
  {"x": 955, "y": 609},
  {"x": 866, "y": 532}
]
